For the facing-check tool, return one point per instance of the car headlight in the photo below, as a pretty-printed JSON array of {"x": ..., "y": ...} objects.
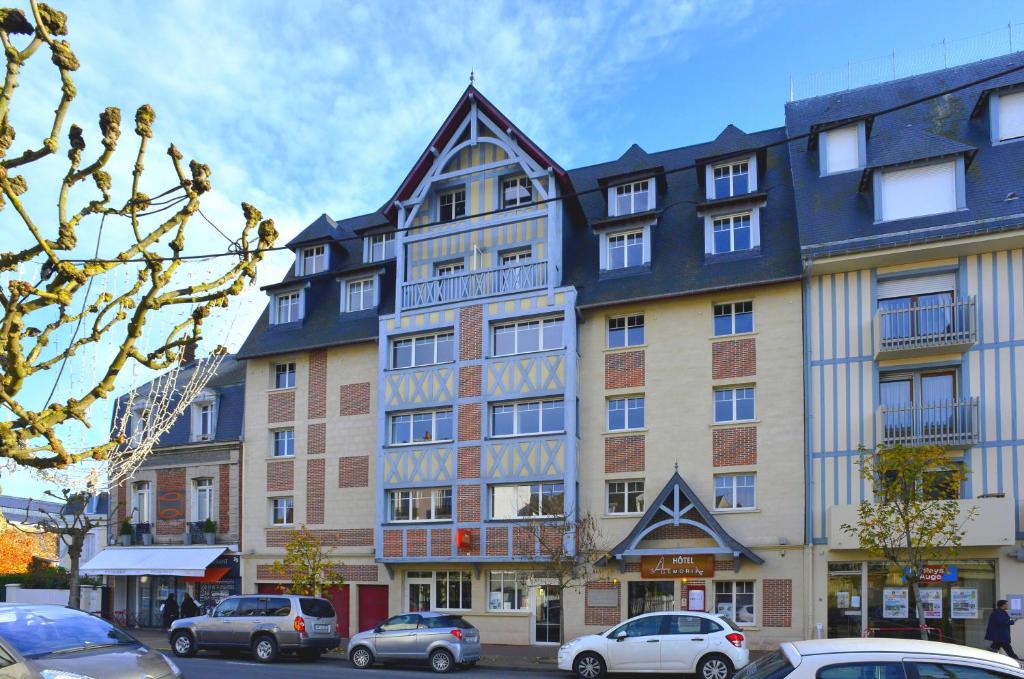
[
  {"x": 571, "y": 643},
  {"x": 175, "y": 670},
  {"x": 62, "y": 674}
]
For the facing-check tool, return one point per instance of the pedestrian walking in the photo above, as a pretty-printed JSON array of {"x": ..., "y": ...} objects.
[
  {"x": 169, "y": 610},
  {"x": 998, "y": 631},
  {"x": 189, "y": 608}
]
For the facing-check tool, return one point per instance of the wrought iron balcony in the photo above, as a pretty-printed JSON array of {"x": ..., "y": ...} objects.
[
  {"x": 497, "y": 281},
  {"x": 952, "y": 424},
  {"x": 919, "y": 329}
]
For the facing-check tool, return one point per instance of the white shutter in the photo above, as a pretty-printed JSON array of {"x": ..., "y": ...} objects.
[
  {"x": 927, "y": 190},
  {"x": 842, "y": 149},
  {"x": 917, "y": 285},
  {"x": 1011, "y": 115}
]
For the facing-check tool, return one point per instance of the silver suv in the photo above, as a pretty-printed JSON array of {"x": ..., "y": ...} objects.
[
  {"x": 267, "y": 625},
  {"x": 438, "y": 638}
]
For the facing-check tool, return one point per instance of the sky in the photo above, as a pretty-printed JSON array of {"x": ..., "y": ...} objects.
[{"x": 304, "y": 108}]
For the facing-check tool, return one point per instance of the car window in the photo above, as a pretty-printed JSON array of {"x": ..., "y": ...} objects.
[
  {"x": 774, "y": 666},
  {"x": 641, "y": 627},
  {"x": 709, "y": 626},
  {"x": 950, "y": 671},
  {"x": 684, "y": 624},
  {"x": 441, "y": 621},
  {"x": 401, "y": 622},
  {"x": 248, "y": 607},
  {"x": 37, "y": 632},
  {"x": 865, "y": 670},
  {"x": 226, "y": 608},
  {"x": 316, "y": 608},
  {"x": 277, "y": 606}
]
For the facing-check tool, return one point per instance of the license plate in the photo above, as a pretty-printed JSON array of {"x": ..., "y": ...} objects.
[{"x": 322, "y": 628}]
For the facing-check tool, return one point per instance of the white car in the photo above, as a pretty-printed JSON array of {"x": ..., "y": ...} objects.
[
  {"x": 670, "y": 641},
  {"x": 880, "y": 659}
]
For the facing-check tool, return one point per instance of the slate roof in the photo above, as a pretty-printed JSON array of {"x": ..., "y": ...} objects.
[
  {"x": 835, "y": 217},
  {"x": 14, "y": 508}
]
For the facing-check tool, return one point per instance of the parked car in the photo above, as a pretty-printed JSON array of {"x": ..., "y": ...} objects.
[
  {"x": 39, "y": 641},
  {"x": 266, "y": 625},
  {"x": 440, "y": 639},
  {"x": 670, "y": 641},
  {"x": 879, "y": 659}
]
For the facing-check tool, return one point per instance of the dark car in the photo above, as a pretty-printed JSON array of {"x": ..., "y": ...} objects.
[{"x": 38, "y": 641}]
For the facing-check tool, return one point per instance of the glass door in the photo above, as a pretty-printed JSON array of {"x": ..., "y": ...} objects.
[
  {"x": 938, "y": 393},
  {"x": 897, "y": 395},
  {"x": 547, "y": 614},
  {"x": 419, "y": 587},
  {"x": 844, "y": 600}
]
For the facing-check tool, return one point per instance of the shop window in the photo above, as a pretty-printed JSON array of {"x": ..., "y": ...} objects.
[
  {"x": 735, "y": 600},
  {"x": 507, "y": 591},
  {"x": 453, "y": 590},
  {"x": 650, "y": 597}
]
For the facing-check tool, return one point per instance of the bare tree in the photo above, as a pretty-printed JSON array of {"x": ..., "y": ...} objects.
[{"x": 51, "y": 316}]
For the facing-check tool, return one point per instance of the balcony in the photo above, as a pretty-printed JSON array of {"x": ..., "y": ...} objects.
[
  {"x": 952, "y": 424},
  {"x": 499, "y": 281},
  {"x": 921, "y": 329}
]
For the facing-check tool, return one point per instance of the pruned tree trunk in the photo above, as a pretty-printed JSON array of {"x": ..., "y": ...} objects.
[
  {"x": 74, "y": 579},
  {"x": 921, "y": 622}
]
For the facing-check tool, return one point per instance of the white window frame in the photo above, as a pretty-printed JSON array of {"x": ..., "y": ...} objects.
[
  {"x": 516, "y": 406},
  {"x": 314, "y": 254},
  {"x": 436, "y": 494},
  {"x": 296, "y": 311},
  {"x": 381, "y": 241},
  {"x": 733, "y": 391},
  {"x": 823, "y": 141},
  {"x": 463, "y": 577},
  {"x": 433, "y": 426},
  {"x": 516, "y": 257},
  {"x": 732, "y": 318},
  {"x": 204, "y": 412},
  {"x": 521, "y": 181},
  {"x": 959, "y": 193},
  {"x": 732, "y": 587},
  {"x": 610, "y": 243},
  {"x": 454, "y": 194},
  {"x": 284, "y": 509},
  {"x": 518, "y": 580},
  {"x": 626, "y": 319},
  {"x": 731, "y": 220},
  {"x": 411, "y": 341},
  {"x": 734, "y": 477},
  {"x": 626, "y": 493},
  {"x": 449, "y": 268},
  {"x": 142, "y": 501},
  {"x": 649, "y": 189},
  {"x": 626, "y": 402},
  {"x": 202, "y": 494},
  {"x": 541, "y": 323},
  {"x": 274, "y": 438},
  {"x": 349, "y": 285},
  {"x": 529, "y": 488},
  {"x": 289, "y": 369},
  {"x": 731, "y": 166}
]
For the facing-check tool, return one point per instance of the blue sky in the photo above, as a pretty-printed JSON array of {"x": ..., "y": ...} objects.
[{"x": 307, "y": 107}]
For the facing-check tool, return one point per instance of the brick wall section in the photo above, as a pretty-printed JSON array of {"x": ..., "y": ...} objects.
[
  {"x": 355, "y": 399},
  {"x": 624, "y": 369},
  {"x": 733, "y": 358},
  {"x": 224, "y": 500},
  {"x": 362, "y": 573},
  {"x": 330, "y": 537},
  {"x": 416, "y": 542},
  {"x": 315, "y": 472},
  {"x": 441, "y": 542},
  {"x": 725, "y": 565},
  {"x": 316, "y": 442},
  {"x": 605, "y": 616},
  {"x": 624, "y": 453},
  {"x": 778, "y": 602},
  {"x": 471, "y": 332},
  {"x": 318, "y": 384},
  {"x": 523, "y": 542},
  {"x": 122, "y": 501},
  {"x": 354, "y": 472},
  {"x": 392, "y": 543},
  {"x": 469, "y": 462},
  {"x": 470, "y": 382},
  {"x": 734, "y": 446},
  {"x": 683, "y": 531},
  {"x": 281, "y": 475},
  {"x": 281, "y": 406},
  {"x": 469, "y": 504},
  {"x": 469, "y": 422},
  {"x": 497, "y": 541},
  {"x": 170, "y": 481},
  {"x": 474, "y": 543}
]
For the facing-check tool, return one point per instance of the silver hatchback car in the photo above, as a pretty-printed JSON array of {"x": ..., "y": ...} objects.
[
  {"x": 440, "y": 639},
  {"x": 267, "y": 625}
]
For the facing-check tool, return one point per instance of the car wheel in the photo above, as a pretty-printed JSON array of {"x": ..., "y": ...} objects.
[
  {"x": 361, "y": 657},
  {"x": 183, "y": 645},
  {"x": 264, "y": 648},
  {"x": 441, "y": 661},
  {"x": 589, "y": 666},
  {"x": 714, "y": 667}
]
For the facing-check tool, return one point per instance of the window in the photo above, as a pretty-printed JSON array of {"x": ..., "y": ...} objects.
[
  {"x": 284, "y": 443},
  {"x": 625, "y": 250},
  {"x": 523, "y": 337},
  {"x": 625, "y": 497},
  {"x": 642, "y": 627},
  {"x": 516, "y": 191},
  {"x": 507, "y": 591},
  {"x": 529, "y": 500},
  {"x": 435, "y": 425},
  {"x": 284, "y": 375},
  {"x": 731, "y": 179},
  {"x": 632, "y": 198},
  {"x": 892, "y": 670},
  {"x": 314, "y": 260},
  {"x": 453, "y": 205},
  {"x": 691, "y": 624},
  {"x": 515, "y": 257},
  {"x": 625, "y": 413},
  {"x": 380, "y": 247},
  {"x": 1011, "y": 116},
  {"x": 282, "y": 511},
  {"x": 401, "y": 623},
  {"x": 453, "y": 590},
  {"x": 731, "y": 233},
  {"x": 446, "y": 269},
  {"x": 734, "y": 318},
  {"x": 142, "y": 505},
  {"x": 425, "y": 350},
  {"x": 420, "y": 504},
  {"x": 917, "y": 191},
  {"x": 734, "y": 405},
  {"x": 202, "y": 491},
  {"x": 530, "y": 417},
  {"x": 841, "y": 149},
  {"x": 735, "y": 600},
  {"x": 626, "y": 331},
  {"x": 360, "y": 294},
  {"x": 735, "y": 491},
  {"x": 287, "y": 308},
  {"x": 202, "y": 422},
  {"x": 947, "y": 670}
]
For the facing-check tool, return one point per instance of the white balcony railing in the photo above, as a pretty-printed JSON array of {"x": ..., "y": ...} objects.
[
  {"x": 946, "y": 325},
  {"x": 498, "y": 281},
  {"x": 944, "y": 423}
]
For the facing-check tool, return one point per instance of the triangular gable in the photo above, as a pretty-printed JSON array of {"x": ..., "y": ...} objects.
[{"x": 670, "y": 508}]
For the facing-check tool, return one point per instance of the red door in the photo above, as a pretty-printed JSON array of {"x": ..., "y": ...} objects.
[
  {"x": 373, "y": 606},
  {"x": 339, "y": 597}
]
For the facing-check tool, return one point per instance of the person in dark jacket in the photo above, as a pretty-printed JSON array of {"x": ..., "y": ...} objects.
[
  {"x": 169, "y": 610},
  {"x": 998, "y": 631},
  {"x": 189, "y": 608}
]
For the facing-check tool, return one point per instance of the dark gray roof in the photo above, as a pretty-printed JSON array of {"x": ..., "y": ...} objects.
[
  {"x": 14, "y": 508},
  {"x": 835, "y": 216},
  {"x": 323, "y": 228}
]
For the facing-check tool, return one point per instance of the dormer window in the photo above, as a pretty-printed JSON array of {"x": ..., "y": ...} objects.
[
  {"x": 919, "y": 191},
  {"x": 625, "y": 250},
  {"x": 732, "y": 233},
  {"x": 841, "y": 149},
  {"x": 287, "y": 307},
  {"x": 313, "y": 260},
  {"x": 452, "y": 205},
  {"x": 632, "y": 198},
  {"x": 380, "y": 247},
  {"x": 360, "y": 294},
  {"x": 516, "y": 191},
  {"x": 732, "y": 179},
  {"x": 203, "y": 419},
  {"x": 1011, "y": 116}
]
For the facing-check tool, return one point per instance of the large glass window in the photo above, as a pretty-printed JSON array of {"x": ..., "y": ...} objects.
[
  {"x": 734, "y": 318},
  {"x": 516, "y": 191},
  {"x": 735, "y": 600},
  {"x": 528, "y": 417},
  {"x": 921, "y": 315},
  {"x": 626, "y": 497},
  {"x": 452, "y": 205},
  {"x": 734, "y": 405},
  {"x": 732, "y": 179},
  {"x": 453, "y": 590},
  {"x": 360, "y": 294},
  {"x": 202, "y": 491},
  {"x": 625, "y": 250},
  {"x": 528, "y": 500},
  {"x": 507, "y": 591},
  {"x": 731, "y": 233},
  {"x": 625, "y": 413},
  {"x": 650, "y": 597},
  {"x": 522, "y": 337},
  {"x": 284, "y": 443},
  {"x": 626, "y": 331},
  {"x": 284, "y": 375},
  {"x": 420, "y": 504},
  {"x": 633, "y": 197},
  {"x": 314, "y": 260},
  {"x": 423, "y": 427},
  {"x": 380, "y": 247},
  {"x": 287, "y": 307},
  {"x": 282, "y": 511},
  {"x": 735, "y": 491},
  {"x": 425, "y": 350}
]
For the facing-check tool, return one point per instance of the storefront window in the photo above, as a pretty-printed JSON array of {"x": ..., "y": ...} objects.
[
  {"x": 508, "y": 591},
  {"x": 735, "y": 600},
  {"x": 844, "y": 599},
  {"x": 650, "y": 597}
]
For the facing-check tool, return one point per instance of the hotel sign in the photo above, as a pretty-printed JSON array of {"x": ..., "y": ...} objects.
[{"x": 671, "y": 566}]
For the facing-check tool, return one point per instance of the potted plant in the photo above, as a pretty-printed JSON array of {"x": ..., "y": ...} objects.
[
  {"x": 210, "y": 531},
  {"x": 145, "y": 534},
  {"x": 126, "y": 533}
]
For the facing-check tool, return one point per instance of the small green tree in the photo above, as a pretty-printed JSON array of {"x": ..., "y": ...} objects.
[
  {"x": 308, "y": 565},
  {"x": 915, "y": 517}
]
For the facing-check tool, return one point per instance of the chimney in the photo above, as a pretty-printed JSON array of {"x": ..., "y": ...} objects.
[{"x": 188, "y": 352}]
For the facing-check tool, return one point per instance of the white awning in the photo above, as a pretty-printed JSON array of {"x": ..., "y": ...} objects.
[{"x": 182, "y": 561}]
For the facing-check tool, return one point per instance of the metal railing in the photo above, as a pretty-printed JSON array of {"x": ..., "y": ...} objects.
[
  {"x": 937, "y": 325},
  {"x": 498, "y": 281},
  {"x": 945, "y": 423}
]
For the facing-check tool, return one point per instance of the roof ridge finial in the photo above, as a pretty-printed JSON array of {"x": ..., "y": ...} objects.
[
  {"x": 472, "y": 76},
  {"x": 677, "y": 466}
]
